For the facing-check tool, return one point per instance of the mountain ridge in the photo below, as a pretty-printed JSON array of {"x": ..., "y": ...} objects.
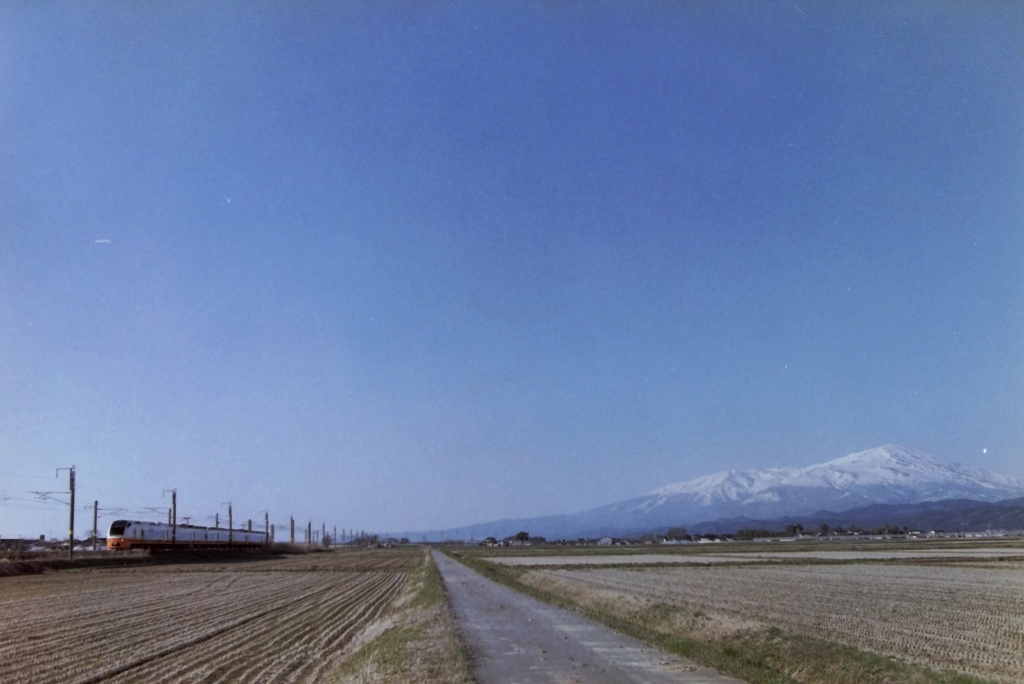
[{"x": 890, "y": 474}]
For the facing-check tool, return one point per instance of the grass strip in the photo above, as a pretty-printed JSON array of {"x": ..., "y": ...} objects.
[{"x": 421, "y": 642}]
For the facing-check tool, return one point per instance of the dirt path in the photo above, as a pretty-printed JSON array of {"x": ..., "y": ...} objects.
[{"x": 515, "y": 638}]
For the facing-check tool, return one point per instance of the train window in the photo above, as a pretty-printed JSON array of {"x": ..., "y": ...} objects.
[{"x": 117, "y": 527}]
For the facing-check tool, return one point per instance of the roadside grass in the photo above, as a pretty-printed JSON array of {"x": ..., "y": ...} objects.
[
  {"x": 750, "y": 652},
  {"x": 416, "y": 642}
]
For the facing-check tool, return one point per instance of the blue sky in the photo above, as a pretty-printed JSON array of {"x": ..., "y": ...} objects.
[{"x": 399, "y": 266}]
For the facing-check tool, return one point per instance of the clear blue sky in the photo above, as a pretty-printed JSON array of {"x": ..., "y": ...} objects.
[{"x": 400, "y": 265}]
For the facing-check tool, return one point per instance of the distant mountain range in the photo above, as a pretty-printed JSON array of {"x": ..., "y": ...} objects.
[{"x": 885, "y": 476}]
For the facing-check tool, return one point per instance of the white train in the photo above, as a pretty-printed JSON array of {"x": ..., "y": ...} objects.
[{"x": 136, "y": 534}]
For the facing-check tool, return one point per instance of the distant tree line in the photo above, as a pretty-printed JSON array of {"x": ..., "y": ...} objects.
[
  {"x": 824, "y": 530},
  {"x": 679, "y": 534}
]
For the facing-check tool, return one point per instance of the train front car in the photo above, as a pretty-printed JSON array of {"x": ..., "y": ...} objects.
[
  {"x": 118, "y": 537},
  {"x": 136, "y": 534}
]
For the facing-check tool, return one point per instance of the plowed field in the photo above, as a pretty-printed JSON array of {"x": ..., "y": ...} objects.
[
  {"x": 287, "y": 620},
  {"x": 964, "y": 616}
]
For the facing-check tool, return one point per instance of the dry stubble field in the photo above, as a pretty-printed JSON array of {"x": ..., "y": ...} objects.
[
  {"x": 960, "y": 613},
  {"x": 290, "y": 619}
]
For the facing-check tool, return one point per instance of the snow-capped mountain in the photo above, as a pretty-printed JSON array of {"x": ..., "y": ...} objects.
[
  {"x": 888, "y": 474},
  {"x": 885, "y": 475},
  {"x": 899, "y": 472}
]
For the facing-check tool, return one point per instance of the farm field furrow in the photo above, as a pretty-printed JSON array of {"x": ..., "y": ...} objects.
[
  {"x": 134, "y": 632},
  {"x": 307, "y": 663},
  {"x": 108, "y": 613},
  {"x": 966, "y": 618},
  {"x": 288, "y": 639},
  {"x": 276, "y": 620}
]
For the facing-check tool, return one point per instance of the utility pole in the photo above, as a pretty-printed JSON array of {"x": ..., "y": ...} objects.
[
  {"x": 173, "y": 515},
  {"x": 309, "y": 533},
  {"x": 230, "y": 523},
  {"x": 71, "y": 519},
  {"x": 95, "y": 517},
  {"x": 291, "y": 538}
]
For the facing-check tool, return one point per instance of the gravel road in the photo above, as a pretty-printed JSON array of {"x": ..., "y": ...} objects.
[{"x": 514, "y": 638}]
